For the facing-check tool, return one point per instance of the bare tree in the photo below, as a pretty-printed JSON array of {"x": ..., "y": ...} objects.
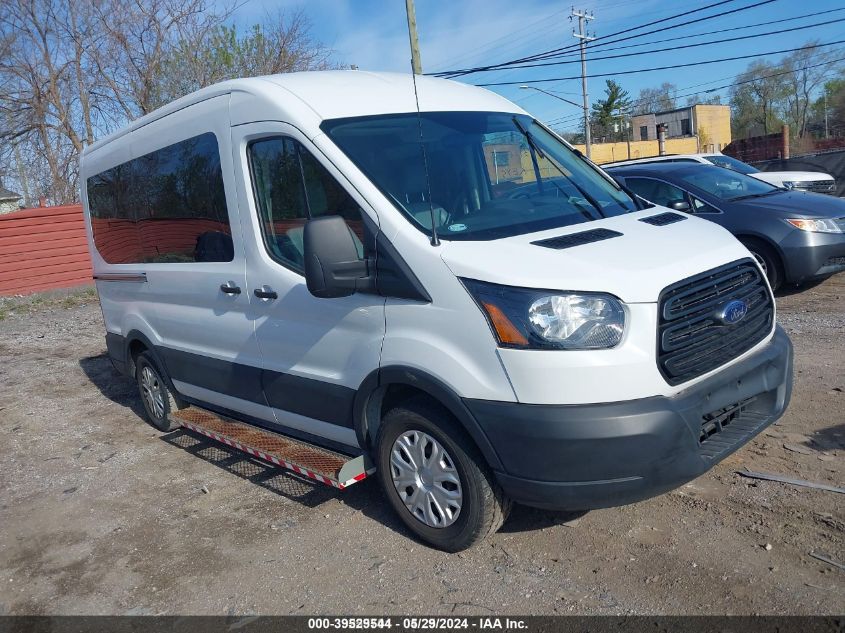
[
  {"x": 757, "y": 99},
  {"x": 283, "y": 44},
  {"x": 656, "y": 99},
  {"x": 74, "y": 70},
  {"x": 803, "y": 82}
]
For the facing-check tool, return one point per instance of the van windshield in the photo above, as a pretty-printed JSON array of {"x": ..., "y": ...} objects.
[{"x": 491, "y": 174}]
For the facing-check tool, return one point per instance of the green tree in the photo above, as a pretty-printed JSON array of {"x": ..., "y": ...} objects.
[
  {"x": 831, "y": 102},
  {"x": 608, "y": 114}
]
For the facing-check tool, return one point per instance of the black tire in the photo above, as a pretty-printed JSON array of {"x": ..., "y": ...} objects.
[
  {"x": 768, "y": 259},
  {"x": 150, "y": 378},
  {"x": 483, "y": 507}
]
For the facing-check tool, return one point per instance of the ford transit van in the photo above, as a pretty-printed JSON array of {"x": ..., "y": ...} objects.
[{"x": 350, "y": 274}]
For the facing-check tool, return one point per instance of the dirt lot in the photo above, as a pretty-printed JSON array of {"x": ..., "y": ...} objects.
[{"x": 100, "y": 513}]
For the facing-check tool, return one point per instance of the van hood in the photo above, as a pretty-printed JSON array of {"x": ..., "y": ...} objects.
[
  {"x": 777, "y": 177},
  {"x": 796, "y": 204},
  {"x": 635, "y": 266}
]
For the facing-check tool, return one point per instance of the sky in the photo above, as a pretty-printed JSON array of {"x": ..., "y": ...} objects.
[{"x": 373, "y": 35}]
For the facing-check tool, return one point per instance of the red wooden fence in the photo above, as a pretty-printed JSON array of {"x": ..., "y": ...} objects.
[{"x": 42, "y": 249}]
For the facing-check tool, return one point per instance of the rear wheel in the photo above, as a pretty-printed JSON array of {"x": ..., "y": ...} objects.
[
  {"x": 436, "y": 479},
  {"x": 155, "y": 395},
  {"x": 768, "y": 260}
]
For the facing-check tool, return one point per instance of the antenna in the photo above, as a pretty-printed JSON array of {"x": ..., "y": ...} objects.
[
  {"x": 435, "y": 241},
  {"x": 416, "y": 69}
]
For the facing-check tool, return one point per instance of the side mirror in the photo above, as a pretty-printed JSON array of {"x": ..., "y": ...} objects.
[
  {"x": 679, "y": 205},
  {"x": 332, "y": 265}
]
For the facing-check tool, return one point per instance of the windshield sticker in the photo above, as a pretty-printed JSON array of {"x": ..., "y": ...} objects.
[{"x": 457, "y": 227}]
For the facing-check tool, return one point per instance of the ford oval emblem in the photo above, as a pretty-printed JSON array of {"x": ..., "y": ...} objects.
[{"x": 733, "y": 312}]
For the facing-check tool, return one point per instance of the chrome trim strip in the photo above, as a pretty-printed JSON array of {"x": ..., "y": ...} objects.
[{"x": 136, "y": 277}]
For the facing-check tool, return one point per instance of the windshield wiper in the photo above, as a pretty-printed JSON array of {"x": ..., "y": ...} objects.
[
  {"x": 758, "y": 195},
  {"x": 539, "y": 151}
]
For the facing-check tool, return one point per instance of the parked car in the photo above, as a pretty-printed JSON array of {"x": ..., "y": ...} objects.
[
  {"x": 813, "y": 181},
  {"x": 283, "y": 269},
  {"x": 795, "y": 236}
]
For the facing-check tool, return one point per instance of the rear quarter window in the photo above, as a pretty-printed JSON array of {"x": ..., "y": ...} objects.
[{"x": 165, "y": 206}]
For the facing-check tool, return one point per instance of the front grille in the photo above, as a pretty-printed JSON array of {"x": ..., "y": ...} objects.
[
  {"x": 817, "y": 186},
  {"x": 691, "y": 339},
  {"x": 724, "y": 430}
]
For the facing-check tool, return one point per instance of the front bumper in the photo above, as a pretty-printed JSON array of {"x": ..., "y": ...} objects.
[
  {"x": 809, "y": 255},
  {"x": 578, "y": 457}
]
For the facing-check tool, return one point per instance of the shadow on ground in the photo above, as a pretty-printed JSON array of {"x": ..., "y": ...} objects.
[
  {"x": 365, "y": 497},
  {"x": 789, "y": 290},
  {"x": 831, "y": 438},
  {"x": 112, "y": 384}
]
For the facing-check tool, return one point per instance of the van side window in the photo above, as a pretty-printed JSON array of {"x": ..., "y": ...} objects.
[
  {"x": 166, "y": 206},
  {"x": 291, "y": 186}
]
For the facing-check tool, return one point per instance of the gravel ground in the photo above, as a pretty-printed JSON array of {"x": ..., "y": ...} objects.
[{"x": 100, "y": 513}]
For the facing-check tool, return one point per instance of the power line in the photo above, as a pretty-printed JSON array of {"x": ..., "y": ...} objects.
[
  {"x": 633, "y": 28},
  {"x": 734, "y": 28},
  {"x": 676, "y": 48},
  {"x": 571, "y": 118},
  {"x": 670, "y": 67},
  {"x": 506, "y": 72},
  {"x": 479, "y": 51},
  {"x": 628, "y": 30},
  {"x": 604, "y": 40}
]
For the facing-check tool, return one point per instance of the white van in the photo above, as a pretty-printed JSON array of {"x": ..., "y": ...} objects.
[{"x": 324, "y": 272}]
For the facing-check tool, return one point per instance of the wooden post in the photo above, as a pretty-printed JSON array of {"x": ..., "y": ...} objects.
[{"x": 785, "y": 142}]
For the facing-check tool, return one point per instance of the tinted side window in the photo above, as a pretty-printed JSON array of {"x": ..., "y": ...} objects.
[
  {"x": 166, "y": 206},
  {"x": 291, "y": 186},
  {"x": 655, "y": 191}
]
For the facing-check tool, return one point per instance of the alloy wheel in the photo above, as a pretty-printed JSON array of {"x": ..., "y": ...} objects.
[{"x": 152, "y": 392}]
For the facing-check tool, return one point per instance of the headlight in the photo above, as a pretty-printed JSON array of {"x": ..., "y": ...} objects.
[
  {"x": 791, "y": 184},
  {"x": 540, "y": 319},
  {"x": 818, "y": 226}
]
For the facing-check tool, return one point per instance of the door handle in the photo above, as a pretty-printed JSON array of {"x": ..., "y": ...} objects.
[
  {"x": 265, "y": 292},
  {"x": 230, "y": 288}
]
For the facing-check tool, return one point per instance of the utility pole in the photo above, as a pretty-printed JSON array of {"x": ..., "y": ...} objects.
[
  {"x": 583, "y": 18},
  {"x": 825, "y": 112},
  {"x": 625, "y": 128},
  {"x": 416, "y": 64}
]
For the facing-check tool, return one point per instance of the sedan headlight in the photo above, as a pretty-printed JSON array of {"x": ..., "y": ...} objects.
[
  {"x": 791, "y": 184},
  {"x": 542, "y": 319},
  {"x": 818, "y": 226}
]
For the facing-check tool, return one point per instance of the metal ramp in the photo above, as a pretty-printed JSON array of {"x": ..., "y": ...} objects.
[{"x": 327, "y": 467}]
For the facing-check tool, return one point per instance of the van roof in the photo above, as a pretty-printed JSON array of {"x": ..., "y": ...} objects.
[{"x": 338, "y": 94}]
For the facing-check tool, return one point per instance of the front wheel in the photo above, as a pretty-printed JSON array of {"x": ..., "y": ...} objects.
[
  {"x": 436, "y": 479},
  {"x": 768, "y": 261}
]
